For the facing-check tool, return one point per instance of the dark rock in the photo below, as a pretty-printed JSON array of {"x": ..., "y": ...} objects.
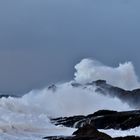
[
  {"x": 52, "y": 87},
  {"x": 6, "y": 96},
  {"x": 96, "y": 83},
  {"x": 103, "y": 112},
  {"x": 130, "y": 97},
  {"x": 91, "y": 138},
  {"x": 103, "y": 119},
  {"x": 76, "y": 84},
  {"x": 100, "y": 82},
  {"x": 67, "y": 121},
  {"x": 89, "y": 132},
  {"x": 120, "y": 120},
  {"x": 58, "y": 138},
  {"x": 128, "y": 138}
]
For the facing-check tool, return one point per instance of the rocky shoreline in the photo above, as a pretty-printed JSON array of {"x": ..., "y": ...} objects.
[
  {"x": 87, "y": 126},
  {"x": 104, "y": 119},
  {"x": 89, "y": 132},
  {"x": 131, "y": 97}
]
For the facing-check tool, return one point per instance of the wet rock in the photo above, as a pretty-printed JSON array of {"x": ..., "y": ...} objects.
[
  {"x": 89, "y": 132},
  {"x": 74, "y": 84},
  {"x": 128, "y": 138},
  {"x": 67, "y": 121},
  {"x": 130, "y": 97},
  {"x": 52, "y": 87},
  {"x": 103, "y": 119}
]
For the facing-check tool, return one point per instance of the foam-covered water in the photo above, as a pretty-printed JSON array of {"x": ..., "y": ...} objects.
[
  {"x": 28, "y": 117},
  {"x": 23, "y": 119},
  {"x": 120, "y": 133}
]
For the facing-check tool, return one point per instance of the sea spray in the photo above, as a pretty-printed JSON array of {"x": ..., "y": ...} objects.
[{"x": 123, "y": 76}]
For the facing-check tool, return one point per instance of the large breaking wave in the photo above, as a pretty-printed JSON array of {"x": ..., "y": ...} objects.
[
  {"x": 123, "y": 76},
  {"x": 30, "y": 114}
]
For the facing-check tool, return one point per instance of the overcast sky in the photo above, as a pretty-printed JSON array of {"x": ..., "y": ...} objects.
[{"x": 42, "y": 40}]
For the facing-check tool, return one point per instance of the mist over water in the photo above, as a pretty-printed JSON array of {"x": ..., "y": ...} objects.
[{"x": 30, "y": 114}]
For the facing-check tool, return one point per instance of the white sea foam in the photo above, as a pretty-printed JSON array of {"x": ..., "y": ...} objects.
[
  {"x": 120, "y": 133},
  {"x": 21, "y": 120}
]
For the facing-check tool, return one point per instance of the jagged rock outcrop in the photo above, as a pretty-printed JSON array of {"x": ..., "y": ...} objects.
[
  {"x": 102, "y": 87},
  {"x": 6, "y": 96},
  {"x": 52, "y": 87},
  {"x": 127, "y": 138},
  {"x": 89, "y": 132},
  {"x": 103, "y": 119}
]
